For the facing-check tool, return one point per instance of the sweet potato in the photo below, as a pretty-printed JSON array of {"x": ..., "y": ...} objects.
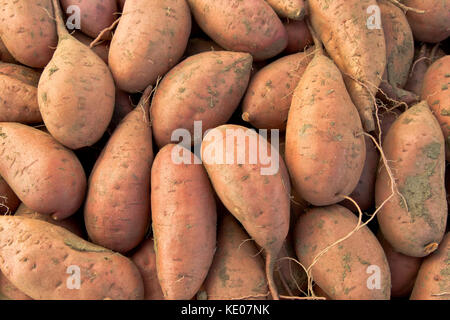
[
  {"x": 45, "y": 176},
  {"x": 299, "y": 36},
  {"x": 145, "y": 260},
  {"x": 76, "y": 92},
  {"x": 292, "y": 9},
  {"x": 364, "y": 193},
  {"x": 121, "y": 4},
  {"x": 255, "y": 189},
  {"x": 436, "y": 91},
  {"x": 399, "y": 52},
  {"x": 414, "y": 148},
  {"x": 325, "y": 148},
  {"x": 268, "y": 99},
  {"x": 403, "y": 269},
  {"x": 423, "y": 58},
  {"x": 289, "y": 276},
  {"x": 199, "y": 45},
  {"x": 249, "y": 26},
  {"x": 433, "y": 281},
  {"x": 431, "y": 26},
  {"x": 184, "y": 223},
  {"x": 237, "y": 271},
  {"x": 8, "y": 199},
  {"x": 123, "y": 106},
  {"x": 28, "y": 31},
  {"x": 150, "y": 39},
  {"x": 358, "y": 51},
  {"x": 18, "y": 94},
  {"x": 117, "y": 208},
  {"x": 318, "y": 291},
  {"x": 96, "y": 15},
  {"x": 387, "y": 118},
  {"x": 10, "y": 291},
  {"x": 71, "y": 223},
  {"x": 344, "y": 271},
  {"x": 5, "y": 55},
  {"x": 35, "y": 256},
  {"x": 206, "y": 87},
  {"x": 101, "y": 49}
]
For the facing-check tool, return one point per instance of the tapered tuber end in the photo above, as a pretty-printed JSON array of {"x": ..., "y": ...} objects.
[
  {"x": 368, "y": 121},
  {"x": 431, "y": 247},
  {"x": 246, "y": 117},
  {"x": 407, "y": 97},
  {"x": 270, "y": 265},
  {"x": 299, "y": 14}
]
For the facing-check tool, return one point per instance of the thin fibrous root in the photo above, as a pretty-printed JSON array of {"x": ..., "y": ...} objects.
[
  {"x": 406, "y": 8},
  {"x": 103, "y": 32}
]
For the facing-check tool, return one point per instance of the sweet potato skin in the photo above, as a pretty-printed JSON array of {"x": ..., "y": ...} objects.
[
  {"x": 45, "y": 176},
  {"x": 399, "y": 52},
  {"x": 199, "y": 45},
  {"x": 358, "y": 51},
  {"x": 18, "y": 94},
  {"x": 433, "y": 281},
  {"x": 423, "y": 58},
  {"x": 342, "y": 272},
  {"x": 101, "y": 49},
  {"x": 325, "y": 150},
  {"x": 364, "y": 193},
  {"x": 290, "y": 277},
  {"x": 248, "y": 26},
  {"x": 299, "y": 36},
  {"x": 205, "y": 87},
  {"x": 5, "y": 55},
  {"x": 76, "y": 92},
  {"x": 292, "y": 9},
  {"x": 10, "y": 291},
  {"x": 184, "y": 224},
  {"x": 8, "y": 199},
  {"x": 403, "y": 269},
  {"x": 71, "y": 223},
  {"x": 28, "y": 31},
  {"x": 247, "y": 199},
  {"x": 237, "y": 271},
  {"x": 48, "y": 250},
  {"x": 268, "y": 99},
  {"x": 418, "y": 164},
  {"x": 432, "y": 26},
  {"x": 149, "y": 40},
  {"x": 145, "y": 260},
  {"x": 123, "y": 106},
  {"x": 117, "y": 208},
  {"x": 96, "y": 15},
  {"x": 436, "y": 91}
]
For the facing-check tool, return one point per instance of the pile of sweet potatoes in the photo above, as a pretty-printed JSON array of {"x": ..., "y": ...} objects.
[{"x": 214, "y": 149}]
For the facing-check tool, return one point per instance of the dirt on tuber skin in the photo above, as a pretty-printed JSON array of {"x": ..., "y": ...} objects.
[
  {"x": 117, "y": 207},
  {"x": 358, "y": 51},
  {"x": 247, "y": 199},
  {"x": 413, "y": 220},
  {"x": 104, "y": 274},
  {"x": 76, "y": 92},
  {"x": 18, "y": 94}
]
